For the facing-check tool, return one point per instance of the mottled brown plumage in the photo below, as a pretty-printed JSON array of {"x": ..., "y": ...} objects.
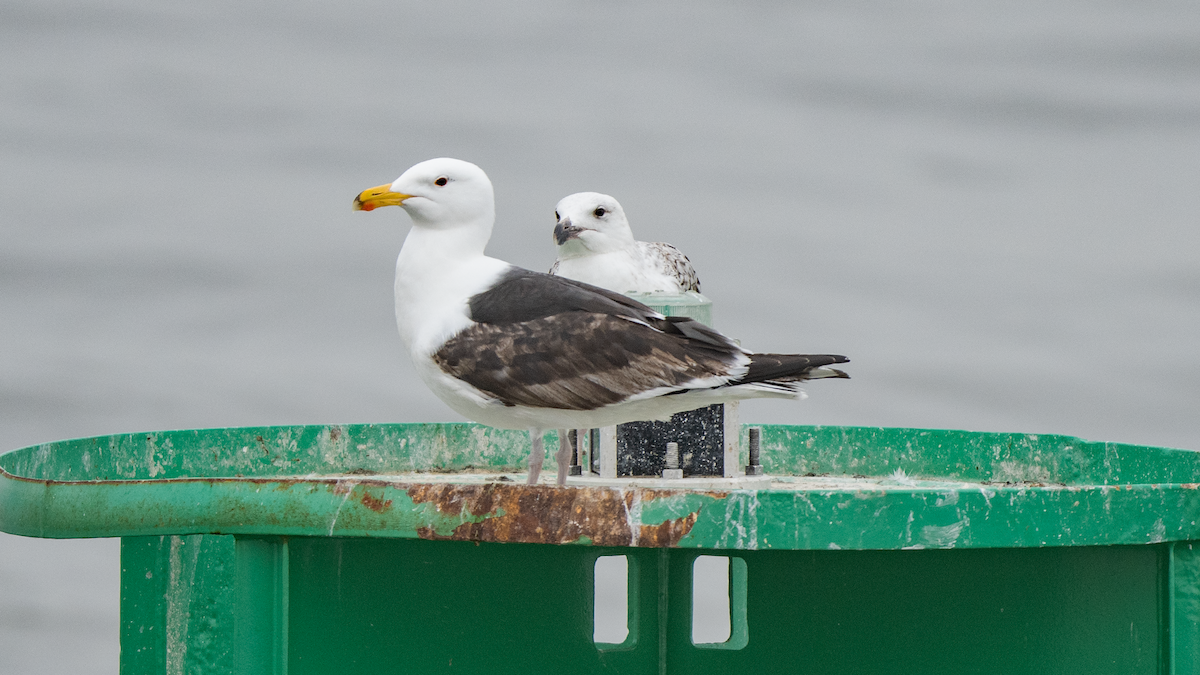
[
  {"x": 548, "y": 342},
  {"x": 575, "y": 360}
]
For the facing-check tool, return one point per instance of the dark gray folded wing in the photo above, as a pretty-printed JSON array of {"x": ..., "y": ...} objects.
[{"x": 577, "y": 360}]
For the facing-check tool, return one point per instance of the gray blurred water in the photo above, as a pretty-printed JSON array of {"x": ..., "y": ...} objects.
[{"x": 991, "y": 208}]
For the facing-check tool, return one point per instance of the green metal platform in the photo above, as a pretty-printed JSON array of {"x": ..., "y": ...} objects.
[{"x": 415, "y": 548}]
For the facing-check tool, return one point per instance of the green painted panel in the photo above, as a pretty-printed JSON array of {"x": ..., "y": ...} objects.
[
  {"x": 395, "y": 606},
  {"x": 1066, "y": 610},
  {"x": 1182, "y": 580},
  {"x": 430, "y": 607},
  {"x": 177, "y": 605},
  {"x": 144, "y": 581},
  {"x": 261, "y": 592}
]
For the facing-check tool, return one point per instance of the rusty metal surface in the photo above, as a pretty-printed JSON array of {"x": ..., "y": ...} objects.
[{"x": 548, "y": 515}]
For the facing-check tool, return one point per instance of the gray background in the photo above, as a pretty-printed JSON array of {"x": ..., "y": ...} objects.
[{"x": 991, "y": 208}]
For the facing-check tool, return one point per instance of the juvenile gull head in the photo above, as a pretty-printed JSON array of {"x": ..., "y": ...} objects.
[{"x": 596, "y": 246}]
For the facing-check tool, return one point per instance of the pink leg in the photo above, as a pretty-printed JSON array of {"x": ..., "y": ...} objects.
[{"x": 563, "y": 457}]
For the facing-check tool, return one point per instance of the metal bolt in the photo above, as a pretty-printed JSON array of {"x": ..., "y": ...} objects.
[
  {"x": 754, "y": 468},
  {"x": 672, "y": 470}
]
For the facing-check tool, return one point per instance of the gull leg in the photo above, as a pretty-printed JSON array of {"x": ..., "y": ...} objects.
[
  {"x": 563, "y": 456},
  {"x": 536, "y": 456}
]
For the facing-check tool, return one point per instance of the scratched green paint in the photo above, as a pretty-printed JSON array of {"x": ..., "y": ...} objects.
[
  {"x": 276, "y": 451},
  {"x": 673, "y": 506},
  {"x": 971, "y": 456},
  {"x": 297, "y": 481}
]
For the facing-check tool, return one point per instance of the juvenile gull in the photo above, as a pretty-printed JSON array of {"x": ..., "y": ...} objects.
[
  {"x": 596, "y": 246},
  {"x": 516, "y": 349}
]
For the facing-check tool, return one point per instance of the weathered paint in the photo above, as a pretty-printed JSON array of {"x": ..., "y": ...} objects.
[
  {"x": 917, "y": 489},
  {"x": 177, "y": 604},
  {"x": 411, "y": 548}
]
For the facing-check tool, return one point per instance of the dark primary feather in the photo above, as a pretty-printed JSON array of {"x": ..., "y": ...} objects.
[{"x": 792, "y": 367}]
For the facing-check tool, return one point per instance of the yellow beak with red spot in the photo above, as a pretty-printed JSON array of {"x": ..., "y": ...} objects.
[{"x": 382, "y": 195}]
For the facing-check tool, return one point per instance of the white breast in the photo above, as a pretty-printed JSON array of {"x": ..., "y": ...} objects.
[
  {"x": 624, "y": 271},
  {"x": 432, "y": 294}
]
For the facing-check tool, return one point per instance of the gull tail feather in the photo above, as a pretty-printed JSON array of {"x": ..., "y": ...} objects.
[{"x": 779, "y": 368}]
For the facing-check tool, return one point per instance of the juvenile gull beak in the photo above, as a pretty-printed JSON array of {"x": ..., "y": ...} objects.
[{"x": 565, "y": 231}]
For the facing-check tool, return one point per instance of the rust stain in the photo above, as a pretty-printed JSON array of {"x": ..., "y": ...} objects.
[
  {"x": 1190, "y": 486},
  {"x": 549, "y": 515},
  {"x": 334, "y": 434},
  {"x": 376, "y": 504}
]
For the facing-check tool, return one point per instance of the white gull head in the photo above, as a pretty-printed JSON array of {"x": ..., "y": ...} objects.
[
  {"x": 439, "y": 193},
  {"x": 590, "y": 223},
  {"x": 596, "y": 246},
  {"x": 442, "y": 263}
]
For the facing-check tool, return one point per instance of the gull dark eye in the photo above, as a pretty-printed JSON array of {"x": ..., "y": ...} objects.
[
  {"x": 599, "y": 212},
  {"x": 441, "y": 181}
]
